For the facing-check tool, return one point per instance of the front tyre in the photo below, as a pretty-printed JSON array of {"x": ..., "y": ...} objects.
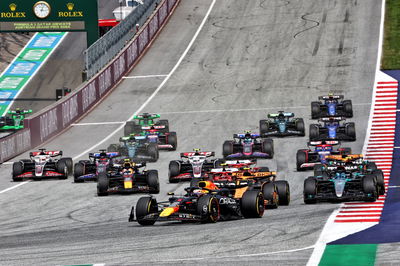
[
  {"x": 208, "y": 209},
  {"x": 144, "y": 207},
  {"x": 102, "y": 185}
]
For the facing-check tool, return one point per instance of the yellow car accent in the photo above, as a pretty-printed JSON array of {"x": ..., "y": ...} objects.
[
  {"x": 127, "y": 184},
  {"x": 168, "y": 211}
]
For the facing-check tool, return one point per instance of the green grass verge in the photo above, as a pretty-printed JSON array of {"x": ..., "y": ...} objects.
[{"x": 391, "y": 42}]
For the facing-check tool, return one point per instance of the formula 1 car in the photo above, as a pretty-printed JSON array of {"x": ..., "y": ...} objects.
[
  {"x": 238, "y": 181},
  {"x": 145, "y": 120},
  {"x": 332, "y": 129},
  {"x": 353, "y": 163},
  {"x": 206, "y": 203},
  {"x": 340, "y": 185},
  {"x": 127, "y": 178},
  {"x": 137, "y": 148},
  {"x": 164, "y": 140},
  {"x": 306, "y": 159},
  {"x": 332, "y": 105},
  {"x": 282, "y": 124},
  {"x": 42, "y": 164},
  {"x": 14, "y": 121},
  {"x": 248, "y": 145},
  {"x": 192, "y": 165},
  {"x": 98, "y": 162}
]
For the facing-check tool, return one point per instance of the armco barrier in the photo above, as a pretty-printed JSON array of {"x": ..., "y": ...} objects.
[{"x": 62, "y": 114}]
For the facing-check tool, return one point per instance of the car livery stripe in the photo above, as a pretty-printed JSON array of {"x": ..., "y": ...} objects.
[{"x": 25, "y": 65}]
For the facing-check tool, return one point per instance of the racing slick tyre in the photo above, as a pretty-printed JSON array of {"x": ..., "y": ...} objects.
[
  {"x": 283, "y": 192},
  {"x": 370, "y": 187},
  {"x": 301, "y": 157},
  {"x": 380, "y": 181},
  {"x": 315, "y": 110},
  {"x": 310, "y": 190},
  {"x": 112, "y": 148},
  {"x": 345, "y": 151},
  {"x": 62, "y": 168},
  {"x": 348, "y": 108},
  {"x": 102, "y": 185},
  {"x": 174, "y": 169},
  {"x": 69, "y": 163},
  {"x": 18, "y": 168},
  {"x": 252, "y": 204},
  {"x": 227, "y": 148},
  {"x": 351, "y": 130},
  {"x": 165, "y": 123},
  {"x": 267, "y": 146},
  {"x": 264, "y": 126},
  {"x": 146, "y": 206},
  {"x": 270, "y": 193},
  {"x": 208, "y": 209},
  {"x": 371, "y": 166},
  {"x": 314, "y": 132},
  {"x": 173, "y": 140},
  {"x": 300, "y": 126},
  {"x": 152, "y": 151},
  {"x": 79, "y": 170},
  {"x": 152, "y": 181}
]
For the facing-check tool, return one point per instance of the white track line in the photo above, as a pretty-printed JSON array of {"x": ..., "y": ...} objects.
[
  {"x": 158, "y": 88},
  {"x": 144, "y": 77},
  {"x": 10, "y": 188}
]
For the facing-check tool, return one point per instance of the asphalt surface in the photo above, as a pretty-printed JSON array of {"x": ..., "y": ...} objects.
[
  {"x": 62, "y": 69},
  {"x": 251, "y": 58}
]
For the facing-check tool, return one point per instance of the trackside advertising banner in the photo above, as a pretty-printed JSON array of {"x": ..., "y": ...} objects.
[{"x": 59, "y": 116}]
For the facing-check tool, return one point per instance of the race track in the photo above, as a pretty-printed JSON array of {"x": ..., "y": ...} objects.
[{"x": 250, "y": 58}]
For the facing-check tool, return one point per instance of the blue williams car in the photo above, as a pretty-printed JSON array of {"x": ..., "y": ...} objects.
[
  {"x": 332, "y": 128},
  {"x": 331, "y": 105}
]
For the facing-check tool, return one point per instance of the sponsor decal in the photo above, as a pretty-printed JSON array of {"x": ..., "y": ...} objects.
[
  {"x": 153, "y": 26},
  {"x": 119, "y": 67},
  {"x": 132, "y": 53},
  {"x": 70, "y": 13},
  {"x": 143, "y": 39},
  {"x": 69, "y": 110},
  {"x": 13, "y": 12},
  {"x": 105, "y": 81},
  {"x": 48, "y": 124},
  {"x": 89, "y": 95}
]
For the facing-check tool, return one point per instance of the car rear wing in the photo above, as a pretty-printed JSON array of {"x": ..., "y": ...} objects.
[
  {"x": 285, "y": 114},
  {"x": 240, "y": 162},
  {"x": 323, "y": 142},
  {"x": 153, "y": 127},
  {"x": 19, "y": 112},
  {"x": 328, "y": 97},
  {"x": 344, "y": 158},
  {"x": 201, "y": 153},
  {"x": 242, "y": 136},
  {"x": 43, "y": 152},
  {"x": 107, "y": 154},
  {"x": 332, "y": 119},
  {"x": 146, "y": 116}
]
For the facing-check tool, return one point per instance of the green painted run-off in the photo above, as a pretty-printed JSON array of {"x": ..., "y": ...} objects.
[{"x": 349, "y": 255}]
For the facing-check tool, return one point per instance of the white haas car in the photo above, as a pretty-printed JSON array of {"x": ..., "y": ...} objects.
[
  {"x": 42, "y": 164},
  {"x": 194, "y": 164}
]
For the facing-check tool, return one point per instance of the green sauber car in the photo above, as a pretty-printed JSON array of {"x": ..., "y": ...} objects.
[
  {"x": 145, "y": 120},
  {"x": 14, "y": 119}
]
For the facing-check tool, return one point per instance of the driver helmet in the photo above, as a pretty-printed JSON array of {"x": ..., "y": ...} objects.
[
  {"x": 281, "y": 116},
  {"x": 247, "y": 138}
]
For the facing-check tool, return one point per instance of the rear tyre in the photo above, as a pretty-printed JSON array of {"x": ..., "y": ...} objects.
[
  {"x": 380, "y": 181},
  {"x": 152, "y": 181},
  {"x": 79, "y": 170},
  {"x": 173, "y": 140},
  {"x": 62, "y": 168},
  {"x": 174, "y": 170},
  {"x": 270, "y": 193},
  {"x": 18, "y": 168},
  {"x": 70, "y": 164},
  {"x": 208, "y": 209},
  {"x": 301, "y": 157},
  {"x": 146, "y": 206},
  {"x": 102, "y": 185},
  {"x": 310, "y": 190},
  {"x": 371, "y": 166},
  {"x": 283, "y": 192},
  {"x": 314, "y": 132},
  {"x": 264, "y": 126},
  {"x": 351, "y": 130},
  {"x": 252, "y": 204},
  {"x": 152, "y": 151},
  {"x": 268, "y": 147},
  {"x": 348, "y": 108},
  {"x": 227, "y": 148},
  {"x": 369, "y": 187},
  {"x": 300, "y": 126},
  {"x": 315, "y": 110}
]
